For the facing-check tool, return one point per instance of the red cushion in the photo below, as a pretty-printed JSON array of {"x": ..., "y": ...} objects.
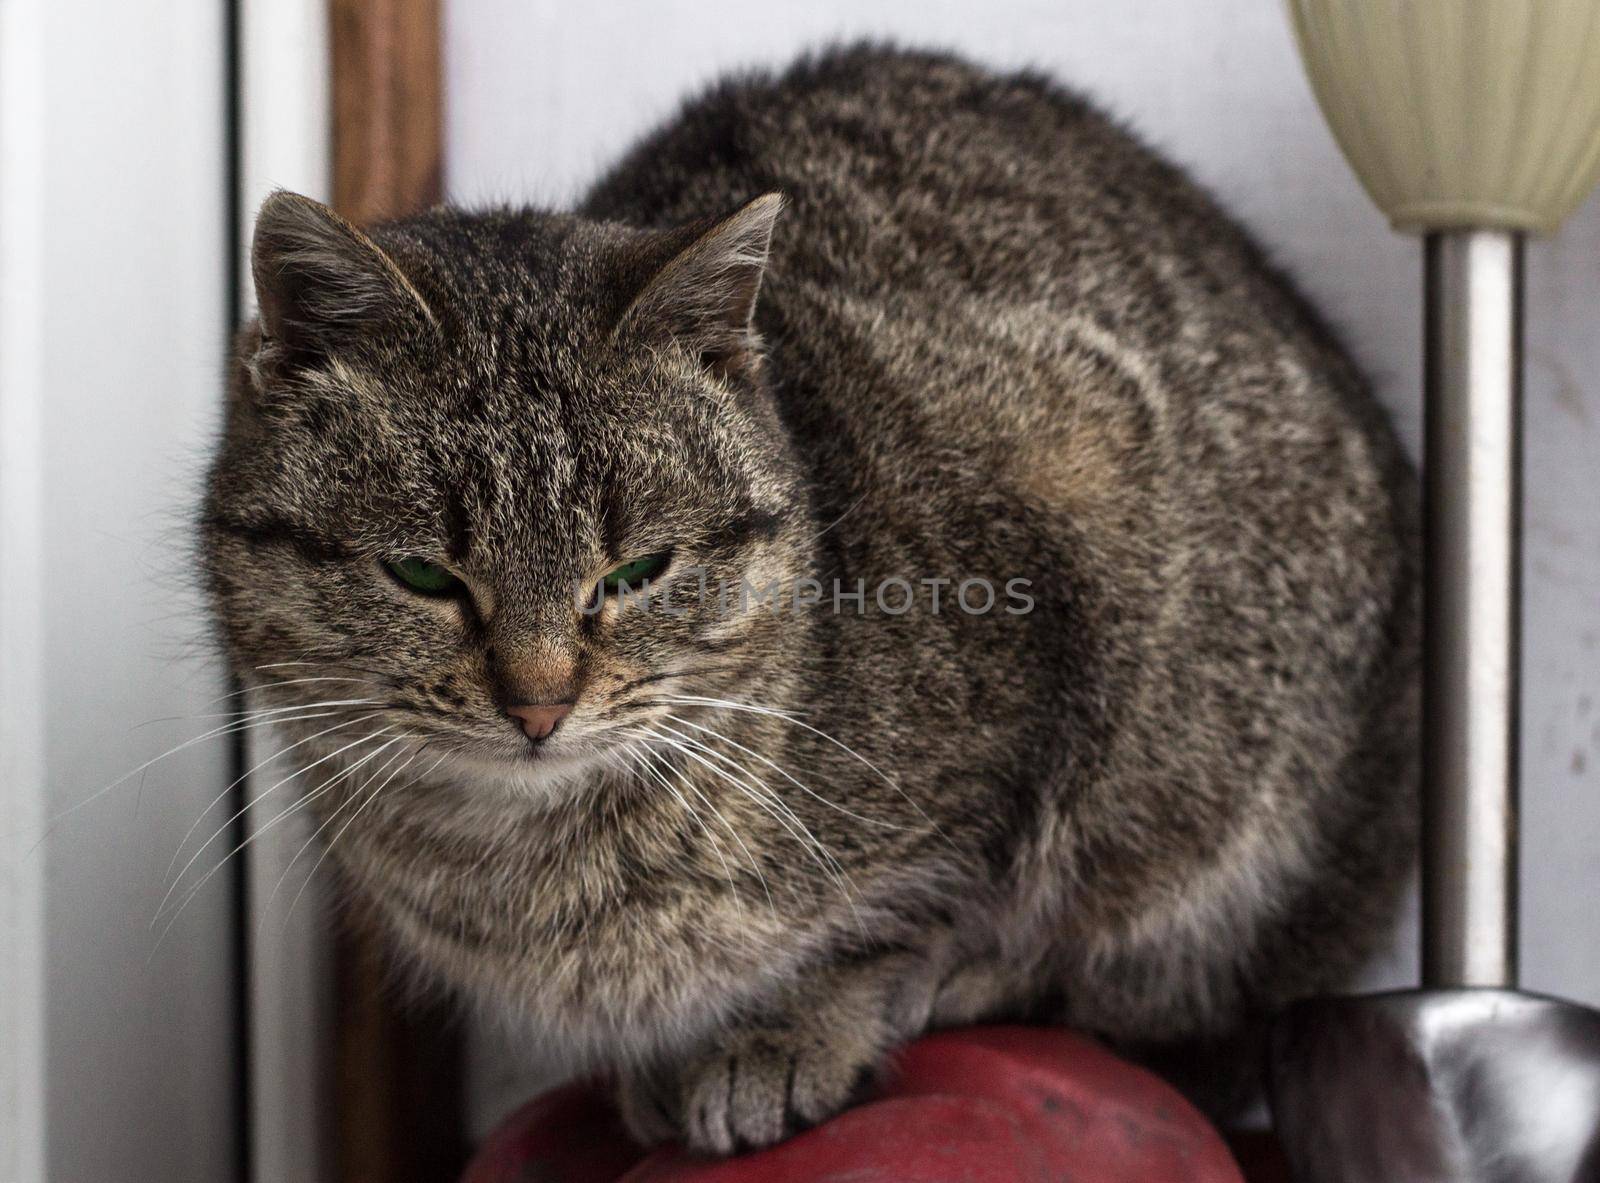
[{"x": 982, "y": 1105}]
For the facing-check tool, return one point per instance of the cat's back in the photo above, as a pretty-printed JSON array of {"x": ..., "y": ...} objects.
[
  {"x": 899, "y": 168},
  {"x": 987, "y": 255},
  {"x": 915, "y": 175},
  {"x": 950, "y": 219}
]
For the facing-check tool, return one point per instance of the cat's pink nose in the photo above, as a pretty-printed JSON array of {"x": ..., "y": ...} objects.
[{"x": 538, "y": 721}]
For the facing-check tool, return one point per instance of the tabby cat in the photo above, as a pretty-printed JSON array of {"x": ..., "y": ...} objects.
[{"x": 894, "y": 556}]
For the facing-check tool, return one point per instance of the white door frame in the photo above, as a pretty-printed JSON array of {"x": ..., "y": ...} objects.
[
  {"x": 284, "y": 141},
  {"x": 22, "y": 789}
]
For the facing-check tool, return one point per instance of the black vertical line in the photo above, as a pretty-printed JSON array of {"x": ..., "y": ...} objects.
[{"x": 239, "y": 952}]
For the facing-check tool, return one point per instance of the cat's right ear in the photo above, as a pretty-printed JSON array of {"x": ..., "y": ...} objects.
[{"x": 320, "y": 281}]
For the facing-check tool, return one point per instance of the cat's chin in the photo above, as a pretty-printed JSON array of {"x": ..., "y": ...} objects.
[{"x": 548, "y": 778}]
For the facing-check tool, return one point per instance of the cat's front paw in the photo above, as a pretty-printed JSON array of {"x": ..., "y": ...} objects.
[{"x": 757, "y": 1088}]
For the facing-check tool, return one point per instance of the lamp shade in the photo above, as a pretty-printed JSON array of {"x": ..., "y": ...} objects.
[{"x": 1461, "y": 113}]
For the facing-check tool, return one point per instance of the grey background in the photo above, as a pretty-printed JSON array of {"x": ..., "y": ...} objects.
[
  {"x": 116, "y": 1046},
  {"x": 543, "y": 94}
]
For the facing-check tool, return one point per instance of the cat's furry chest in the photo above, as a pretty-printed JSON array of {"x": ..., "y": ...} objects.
[{"x": 611, "y": 929}]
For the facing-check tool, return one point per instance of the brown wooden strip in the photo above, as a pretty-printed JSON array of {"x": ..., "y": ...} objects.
[{"x": 388, "y": 108}]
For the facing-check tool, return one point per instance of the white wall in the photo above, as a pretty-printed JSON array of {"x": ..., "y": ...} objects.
[
  {"x": 113, "y": 307},
  {"x": 544, "y": 93}
]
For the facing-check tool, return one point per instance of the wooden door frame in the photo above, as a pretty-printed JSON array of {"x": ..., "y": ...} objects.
[{"x": 388, "y": 106}]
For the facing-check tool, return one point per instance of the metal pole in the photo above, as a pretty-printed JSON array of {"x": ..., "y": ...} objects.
[{"x": 1472, "y": 467}]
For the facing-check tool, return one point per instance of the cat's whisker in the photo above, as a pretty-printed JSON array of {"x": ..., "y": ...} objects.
[
  {"x": 647, "y": 698},
  {"x": 871, "y": 821},
  {"x": 278, "y": 684},
  {"x": 306, "y": 845},
  {"x": 762, "y": 793},
  {"x": 220, "y": 797},
  {"x": 787, "y": 717},
  {"x": 636, "y": 755},
  {"x": 753, "y": 783},
  {"x": 278, "y": 665},
  {"x": 854, "y": 505},
  {"x": 776, "y": 809},
  {"x": 265, "y": 711},
  {"x": 335, "y": 664},
  {"x": 248, "y": 805},
  {"x": 626, "y": 757},
  {"x": 199, "y": 886},
  {"x": 235, "y": 727},
  {"x": 651, "y": 755},
  {"x": 334, "y": 841}
]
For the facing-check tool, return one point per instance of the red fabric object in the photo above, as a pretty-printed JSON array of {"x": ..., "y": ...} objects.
[
  {"x": 569, "y": 1135},
  {"x": 982, "y": 1105}
]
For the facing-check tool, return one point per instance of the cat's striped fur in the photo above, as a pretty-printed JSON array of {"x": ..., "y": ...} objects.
[{"x": 995, "y": 338}]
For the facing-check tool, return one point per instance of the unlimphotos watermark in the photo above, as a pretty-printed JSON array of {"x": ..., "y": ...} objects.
[{"x": 692, "y": 589}]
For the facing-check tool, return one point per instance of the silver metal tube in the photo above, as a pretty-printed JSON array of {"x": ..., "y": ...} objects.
[{"x": 1472, "y": 471}]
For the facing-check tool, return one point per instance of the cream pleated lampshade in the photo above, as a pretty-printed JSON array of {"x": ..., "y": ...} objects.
[{"x": 1458, "y": 113}]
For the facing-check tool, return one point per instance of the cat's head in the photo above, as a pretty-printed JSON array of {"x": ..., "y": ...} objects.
[{"x": 447, "y": 438}]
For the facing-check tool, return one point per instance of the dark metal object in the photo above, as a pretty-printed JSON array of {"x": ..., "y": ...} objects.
[
  {"x": 1467, "y": 1080},
  {"x": 1439, "y": 1086}
]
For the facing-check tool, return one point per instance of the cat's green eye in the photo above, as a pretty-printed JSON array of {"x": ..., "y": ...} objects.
[
  {"x": 635, "y": 573},
  {"x": 419, "y": 575}
]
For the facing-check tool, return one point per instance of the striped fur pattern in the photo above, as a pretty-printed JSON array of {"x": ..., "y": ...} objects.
[{"x": 883, "y": 315}]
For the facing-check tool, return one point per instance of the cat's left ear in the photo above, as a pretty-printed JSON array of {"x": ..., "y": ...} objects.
[{"x": 704, "y": 295}]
